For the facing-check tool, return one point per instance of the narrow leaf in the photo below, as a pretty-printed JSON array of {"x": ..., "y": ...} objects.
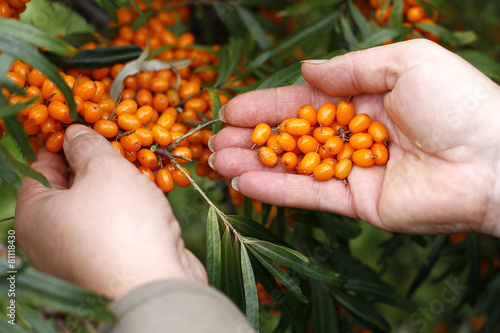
[
  {"x": 446, "y": 35},
  {"x": 11, "y": 110},
  {"x": 475, "y": 269},
  {"x": 254, "y": 27},
  {"x": 360, "y": 21},
  {"x": 36, "y": 321},
  {"x": 278, "y": 249},
  {"x": 324, "y": 312},
  {"x": 226, "y": 262},
  {"x": 8, "y": 173},
  {"x": 111, "y": 8},
  {"x": 213, "y": 262},
  {"x": 251, "y": 297},
  {"x": 482, "y": 61},
  {"x": 216, "y": 105},
  {"x": 22, "y": 168},
  {"x": 5, "y": 326},
  {"x": 19, "y": 136},
  {"x": 250, "y": 228}
]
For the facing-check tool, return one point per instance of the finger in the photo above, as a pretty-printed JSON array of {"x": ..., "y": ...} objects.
[
  {"x": 298, "y": 191},
  {"x": 232, "y": 162},
  {"x": 232, "y": 136},
  {"x": 273, "y": 105},
  {"x": 375, "y": 70}
]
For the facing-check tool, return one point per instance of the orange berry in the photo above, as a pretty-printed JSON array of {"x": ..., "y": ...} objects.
[
  {"x": 146, "y": 135},
  {"x": 182, "y": 152},
  {"x": 308, "y": 113},
  {"x": 360, "y": 123},
  {"x": 129, "y": 122},
  {"x": 29, "y": 127},
  {"x": 48, "y": 126},
  {"x": 144, "y": 113},
  {"x": 329, "y": 160},
  {"x": 119, "y": 148},
  {"x": 55, "y": 142},
  {"x": 307, "y": 144},
  {"x": 185, "y": 39},
  {"x": 131, "y": 142},
  {"x": 92, "y": 113},
  {"x": 346, "y": 152},
  {"x": 202, "y": 169},
  {"x": 261, "y": 134},
  {"x": 107, "y": 105},
  {"x": 268, "y": 157},
  {"x": 324, "y": 171},
  {"x": 323, "y": 133},
  {"x": 38, "y": 114},
  {"x": 180, "y": 179},
  {"x": 160, "y": 102},
  {"x": 343, "y": 168},
  {"x": 36, "y": 78},
  {"x": 189, "y": 89},
  {"x": 128, "y": 106},
  {"x": 131, "y": 156},
  {"x": 162, "y": 136},
  {"x": 147, "y": 158},
  {"x": 326, "y": 114},
  {"x": 17, "y": 79},
  {"x": 334, "y": 145},
  {"x": 361, "y": 141},
  {"x": 378, "y": 132},
  {"x": 415, "y": 14},
  {"x": 177, "y": 135},
  {"x": 196, "y": 150},
  {"x": 289, "y": 160},
  {"x": 144, "y": 97},
  {"x": 197, "y": 104},
  {"x": 297, "y": 126},
  {"x": 58, "y": 110},
  {"x": 147, "y": 172},
  {"x": 363, "y": 158},
  {"x": 86, "y": 90},
  {"x": 380, "y": 152},
  {"x": 99, "y": 92},
  {"x": 106, "y": 128},
  {"x": 166, "y": 120},
  {"x": 309, "y": 162},
  {"x": 272, "y": 143},
  {"x": 159, "y": 84},
  {"x": 165, "y": 180},
  {"x": 345, "y": 113},
  {"x": 286, "y": 141}
]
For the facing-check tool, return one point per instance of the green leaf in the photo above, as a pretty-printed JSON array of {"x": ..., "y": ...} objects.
[
  {"x": 427, "y": 7},
  {"x": 11, "y": 110},
  {"x": 36, "y": 321},
  {"x": 347, "y": 31},
  {"x": 465, "y": 37},
  {"x": 381, "y": 36},
  {"x": 325, "y": 317},
  {"x": 397, "y": 13},
  {"x": 19, "y": 136},
  {"x": 254, "y": 27},
  {"x": 213, "y": 264},
  {"x": 433, "y": 255},
  {"x": 6, "y": 327},
  {"x": 162, "y": 49},
  {"x": 360, "y": 21},
  {"x": 97, "y": 58},
  {"x": 291, "y": 260},
  {"x": 250, "y": 228},
  {"x": 28, "y": 54},
  {"x": 362, "y": 310},
  {"x": 266, "y": 210},
  {"x": 282, "y": 78},
  {"x": 229, "y": 58},
  {"x": 446, "y": 35},
  {"x": 377, "y": 291},
  {"x": 475, "y": 283},
  {"x": 483, "y": 62},
  {"x": 232, "y": 272},
  {"x": 216, "y": 105},
  {"x": 8, "y": 173},
  {"x": 110, "y": 7},
  {"x": 291, "y": 286},
  {"x": 340, "y": 226},
  {"x": 251, "y": 297},
  {"x": 226, "y": 262},
  {"x": 278, "y": 249},
  {"x": 489, "y": 297},
  {"x": 29, "y": 34},
  {"x": 22, "y": 168},
  {"x": 81, "y": 38}
]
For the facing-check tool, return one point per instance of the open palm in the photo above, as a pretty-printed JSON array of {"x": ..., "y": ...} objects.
[{"x": 440, "y": 111}]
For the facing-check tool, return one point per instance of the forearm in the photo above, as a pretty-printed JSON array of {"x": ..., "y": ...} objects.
[{"x": 176, "y": 306}]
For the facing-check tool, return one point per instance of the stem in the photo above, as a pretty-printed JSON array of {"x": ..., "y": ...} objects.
[
  {"x": 7, "y": 219},
  {"x": 174, "y": 144},
  {"x": 207, "y": 199}
]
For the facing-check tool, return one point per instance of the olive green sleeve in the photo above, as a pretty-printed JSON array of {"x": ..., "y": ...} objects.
[{"x": 176, "y": 306}]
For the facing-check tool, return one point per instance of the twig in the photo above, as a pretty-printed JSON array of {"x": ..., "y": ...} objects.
[
  {"x": 174, "y": 144},
  {"x": 7, "y": 219}
]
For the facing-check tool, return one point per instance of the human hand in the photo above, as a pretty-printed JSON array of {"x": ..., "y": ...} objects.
[
  {"x": 444, "y": 149},
  {"x": 106, "y": 227}
]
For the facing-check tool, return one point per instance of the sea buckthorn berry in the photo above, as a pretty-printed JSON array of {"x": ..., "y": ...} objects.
[
  {"x": 17, "y": 79},
  {"x": 380, "y": 152},
  {"x": 189, "y": 89},
  {"x": 86, "y": 90},
  {"x": 334, "y": 145},
  {"x": 205, "y": 155},
  {"x": 106, "y": 128},
  {"x": 99, "y": 92},
  {"x": 329, "y": 160},
  {"x": 160, "y": 102},
  {"x": 202, "y": 169},
  {"x": 58, "y": 110},
  {"x": 36, "y": 78},
  {"x": 272, "y": 143},
  {"x": 309, "y": 162},
  {"x": 308, "y": 113},
  {"x": 119, "y": 148},
  {"x": 359, "y": 123},
  {"x": 289, "y": 160},
  {"x": 162, "y": 136},
  {"x": 144, "y": 80},
  {"x": 196, "y": 149},
  {"x": 131, "y": 142},
  {"x": 48, "y": 126},
  {"x": 165, "y": 180},
  {"x": 415, "y": 14},
  {"x": 147, "y": 172},
  {"x": 166, "y": 120},
  {"x": 180, "y": 179},
  {"x": 307, "y": 144},
  {"x": 55, "y": 142},
  {"x": 196, "y": 103},
  {"x": 159, "y": 84},
  {"x": 343, "y": 168},
  {"x": 260, "y": 134},
  {"x": 131, "y": 156},
  {"x": 286, "y": 141},
  {"x": 147, "y": 158},
  {"x": 47, "y": 88},
  {"x": 144, "y": 113},
  {"x": 127, "y": 106},
  {"x": 129, "y": 122},
  {"x": 298, "y": 127},
  {"x": 146, "y": 135},
  {"x": 92, "y": 113},
  {"x": 144, "y": 97},
  {"x": 346, "y": 152},
  {"x": 323, "y": 133},
  {"x": 361, "y": 141},
  {"x": 326, "y": 114},
  {"x": 323, "y": 153},
  {"x": 379, "y": 132},
  {"x": 173, "y": 97},
  {"x": 182, "y": 152},
  {"x": 177, "y": 135},
  {"x": 80, "y": 104},
  {"x": 268, "y": 157},
  {"x": 107, "y": 105},
  {"x": 38, "y": 114},
  {"x": 324, "y": 171},
  {"x": 363, "y": 158},
  {"x": 178, "y": 127},
  {"x": 29, "y": 127},
  {"x": 345, "y": 112}
]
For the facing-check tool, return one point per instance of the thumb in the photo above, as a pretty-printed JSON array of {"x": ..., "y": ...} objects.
[
  {"x": 374, "y": 70},
  {"x": 82, "y": 145}
]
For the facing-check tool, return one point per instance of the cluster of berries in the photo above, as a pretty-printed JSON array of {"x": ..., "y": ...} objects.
[
  {"x": 323, "y": 143},
  {"x": 12, "y": 8}
]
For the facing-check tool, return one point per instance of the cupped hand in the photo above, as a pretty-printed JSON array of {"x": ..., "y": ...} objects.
[
  {"x": 105, "y": 226},
  {"x": 444, "y": 148}
]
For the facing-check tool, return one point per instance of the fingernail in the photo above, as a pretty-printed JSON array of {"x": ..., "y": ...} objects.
[
  {"x": 221, "y": 113},
  {"x": 314, "y": 61},
  {"x": 211, "y": 160},
  {"x": 211, "y": 143},
  {"x": 234, "y": 183},
  {"x": 75, "y": 130}
]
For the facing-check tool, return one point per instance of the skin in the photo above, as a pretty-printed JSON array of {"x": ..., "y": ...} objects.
[
  {"x": 104, "y": 226},
  {"x": 444, "y": 156}
]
